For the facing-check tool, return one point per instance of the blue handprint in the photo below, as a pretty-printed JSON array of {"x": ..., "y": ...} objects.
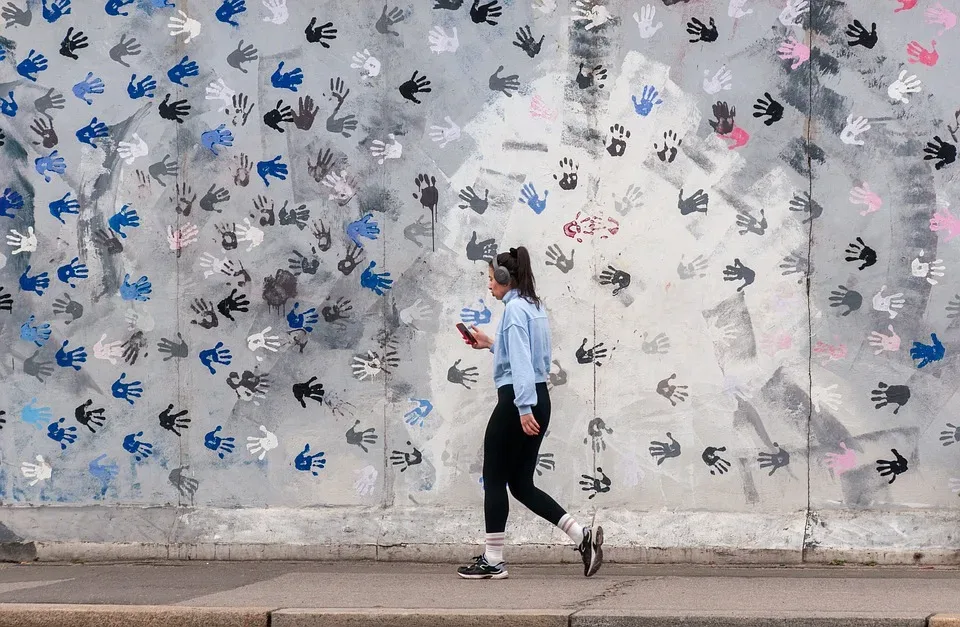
[
  {"x": 376, "y": 282},
  {"x": 89, "y": 85},
  {"x": 303, "y": 461},
  {"x": 92, "y": 131},
  {"x": 528, "y": 195},
  {"x": 35, "y": 284},
  {"x": 181, "y": 70},
  {"x": 64, "y": 205},
  {"x": 286, "y": 80},
  {"x": 215, "y": 355},
  {"x": 38, "y": 334},
  {"x": 925, "y": 353},
  {"x": 139, "y": 450},
  {"x": 36, "y": 416},
  {"x": 362, "y": 228},
  {"x": 31, "y": 65},
  {"x": 648, "y": 98},
  {"x": 126, "y": 391},
  {"x": 9, "y": 107},
  {"x": 113, "y": 7},
  {"x": 302, "y": 320},
  {"x": 274, "y": 167},
  {"x": 104, "y": 473},
  {"x": 3, "y": 53},
  {"x": 416, "y": 416},
  {"x": 220, "y": 446},
  {"x": 142, "y": 88},
  {"x": 70, "y": 359},
  {"x": 10, "y": 202},
  {"x": 211, "y": 138},
  {"x": 139, "y": 291},
  {"x": 123, "y": 217},
  {"x": 228, "y": 9},
  {"x": 65, "y": 436},
  {"x": 51, "y": 163},
  {"x": 476, "y": 316},
  {"x": 55, "y": 10},
  {"x": 72, "y": 270}
]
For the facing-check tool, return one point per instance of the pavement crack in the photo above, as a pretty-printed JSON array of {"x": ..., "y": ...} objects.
[{"x": 611, "y": 591}]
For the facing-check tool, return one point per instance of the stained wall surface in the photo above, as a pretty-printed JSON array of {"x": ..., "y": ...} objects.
[{"x": 240, "y": 233}]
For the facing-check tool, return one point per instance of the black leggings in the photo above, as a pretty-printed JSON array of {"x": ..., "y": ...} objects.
[{"x": 510, "y": 458}]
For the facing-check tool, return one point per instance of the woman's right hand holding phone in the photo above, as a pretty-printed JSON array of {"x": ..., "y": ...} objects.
[{"x": 483, "y": 340}]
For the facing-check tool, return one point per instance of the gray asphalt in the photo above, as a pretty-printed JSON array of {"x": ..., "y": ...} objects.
[{"x": 839, "y": 591}]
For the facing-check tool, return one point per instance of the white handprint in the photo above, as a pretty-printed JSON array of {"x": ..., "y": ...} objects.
[
  {"x": 41, "y": 471},
  {"x": 109, "y": 351},
  {"x": 595, "y": 14},
  {"x": 184, "y": 24},
  {"x": 366, "y": 480},
  {"x": 25, "y": 243},
  {"x": 131, "y": 151},
  {"x": 902, "y": 86},
  {"x": 644, "y": 20},
  {"x": 440, "y": 42},
  {"x": 369, "y": 66},
  {"x": 720, "y": 80},
  {"x": 545, "y": 6},
  {"x": 139, "y": 320},
  {"x": 278, "y": 9},
  {"x": 853, "y": 129},
  {"x": 414, "y": 313},
  {"x": 218, "y": 90},
  {"x": 215, "y": 265},
  {"x": 391, "y": 149},
  {"x": 445, "y": 134},
  {"x": 826, "y": 396},
  {"x": 182, "y": 237},
  {"x": 735, "y": 9},
  {"x": 262, "y": 340},
  {"x": 927, "y": 270},
  {"x": 888, "y": 303},
  {"x": 792, "y": 12},
  {"x": 267, "y": 442},
  {"x": 247, "y": 232},
  {"x": 340, "y": 183}
]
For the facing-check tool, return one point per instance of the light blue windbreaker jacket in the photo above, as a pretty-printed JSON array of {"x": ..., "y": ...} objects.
[{"x": 521, "y": 349}]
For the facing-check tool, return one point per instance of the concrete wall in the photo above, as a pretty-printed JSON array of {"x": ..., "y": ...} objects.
[{"x": 671, "y": 208}]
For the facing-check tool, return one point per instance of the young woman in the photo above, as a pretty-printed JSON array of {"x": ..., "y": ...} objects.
[{"x": 521, "y": 353}]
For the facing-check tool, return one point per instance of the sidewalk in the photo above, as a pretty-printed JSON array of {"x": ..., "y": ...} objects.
[{"x": 303, "y": 594}]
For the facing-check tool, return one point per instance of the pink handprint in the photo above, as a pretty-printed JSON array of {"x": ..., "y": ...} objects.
[
  {"x": 863, "y": 195},
  {"x": 738, "y": 136},
  {"x": 539, "y": 109},
  {"x": 841, "y": 462},
  {"x": 944, "y": 220},
  {"x": 774, "y": 343},
  {"x": 918, "y": 54},
  {"x": 938, "y": 14},
  {"x": 795, "y": 50},
  {"x": 905, "y": 5},
  {"x": 833, "y": 353}
]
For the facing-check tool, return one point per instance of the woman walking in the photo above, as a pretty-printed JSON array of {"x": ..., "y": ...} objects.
[{"x": 521, "y": 350}]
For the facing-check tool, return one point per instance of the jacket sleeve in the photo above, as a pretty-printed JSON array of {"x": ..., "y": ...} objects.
[{"x": 521, "y": 367}]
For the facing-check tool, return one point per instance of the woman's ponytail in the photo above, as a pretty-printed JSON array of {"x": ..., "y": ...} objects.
[{"x": 526, "y": 284}]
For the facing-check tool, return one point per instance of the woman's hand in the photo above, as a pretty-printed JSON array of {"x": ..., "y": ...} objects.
[
  {"x": 483, "y": 340},
  {"x": 529, "y": 424}
]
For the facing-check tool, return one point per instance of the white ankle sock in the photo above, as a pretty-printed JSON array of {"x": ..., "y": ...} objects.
[
  {"x": 570, "y": 527},
  {"x": 494, "y": 550}
]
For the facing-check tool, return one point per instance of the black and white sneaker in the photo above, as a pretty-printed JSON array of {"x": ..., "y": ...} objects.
[
  {"x": 591, "y": 551},
  {"x": 481, "y": 569}
]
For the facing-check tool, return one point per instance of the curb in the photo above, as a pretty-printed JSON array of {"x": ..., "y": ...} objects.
[{"x": 59, "y": 615}]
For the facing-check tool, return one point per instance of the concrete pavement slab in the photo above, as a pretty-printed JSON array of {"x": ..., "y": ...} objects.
[{"x": 613, "y": 618}]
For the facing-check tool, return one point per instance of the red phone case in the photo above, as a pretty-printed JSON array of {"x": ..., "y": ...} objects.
[{"x": 465, "y": 333}]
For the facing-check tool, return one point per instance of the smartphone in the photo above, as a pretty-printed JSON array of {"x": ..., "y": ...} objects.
[{"x": 466, "y": 333}]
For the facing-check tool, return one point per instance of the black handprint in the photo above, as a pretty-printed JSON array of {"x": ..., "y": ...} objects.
[
  {"x": 178, "y": 349},
  {"x": 297, "y": 217},
  {"x": 770, "y": 108},
  {"x": 671, "y": 392},
  {"x": 481, "y": 250},
  {"x": 317, "y": 34},
  {"x": 590, "y": 355},
  {"x": 125, "y": 48},
  {"x": 505, "y": 84},
  {"x": 859, "y": 251},
  {"x": 842, "y": 297},
  {"x": 322, "y": 233},
  {"x": 339, "y": 310},
  {"x": 593, "y": 76},
  {"x": 36, "y": 367},
  {"x": 174, "y": 422},
  {"x": 322, "y": 167},
  {"x": 803, "y": 203},
  {"x": 670, "y": 145},
  {"x": 895, "y": 467},
  {"x": 701, "y": 31},
  {"x": 388, "y": 19},
  {"x": 481, "y": 13},
  {"x": 716, "y": 463},
  {"x": 479, "y": 205},
  {"x": 462, "y": 377},
  {"x": 280, "y": 113},
  {"x": 204, "y": 310},
  {"x": 749, "y": 224},
  {"x": 596, "y": 485},
  {"x": 612, "y": 276},
  {"x": 108, "y": 241},
  {"x": 414, "y": 86},
  {"x": 944, "y": 152},
  {"x": 664, "y": 450},
  {"x": 775, "y": 460},
  {"x": 568, "y": 172},
  {"x": 595, "y": 430},
  {"x": 739, "y": 272},
  {"x": 132, "y": 347},
  {"x": 176, "y": 111},
  {"x": 242, "y": 54},
  {"x": 352, "y": 259},
  {"x": 696, "y": 203},
  {"x": 214, "y": 196},
  {"x": 526, "y": 41},
  {"x": 725, "y": 118},
  {"x": 427, "y": 192},
  {"x": 556, "y": 257},
  {"x": 885, "y": 395},
  {"x": 89, "y": 418},
  {"x": 72, "y": 42},
  {"x": 242, "y": 108},
  {"x": 860, "y": 36},
  {"x": 233, "y": 303},
  {"x": 44, "y": 128},
  {"x": 308, "y": 390},
  {"x": 618, "y": 140},
  {"x": 304, "y": 265},
  {"x": 360, "y": 438},
  {"x": 307, "y": 113}
]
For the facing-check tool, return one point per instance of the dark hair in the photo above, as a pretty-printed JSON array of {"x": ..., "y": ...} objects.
[{"x": 517, "y": 261}]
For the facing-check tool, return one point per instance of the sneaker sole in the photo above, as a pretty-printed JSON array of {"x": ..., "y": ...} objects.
[
  {"x": 596, "y": 555},
  {"x": 502, "y": 575}
]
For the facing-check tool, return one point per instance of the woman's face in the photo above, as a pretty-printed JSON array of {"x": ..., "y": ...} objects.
[{"x": 498, "y": 291}]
